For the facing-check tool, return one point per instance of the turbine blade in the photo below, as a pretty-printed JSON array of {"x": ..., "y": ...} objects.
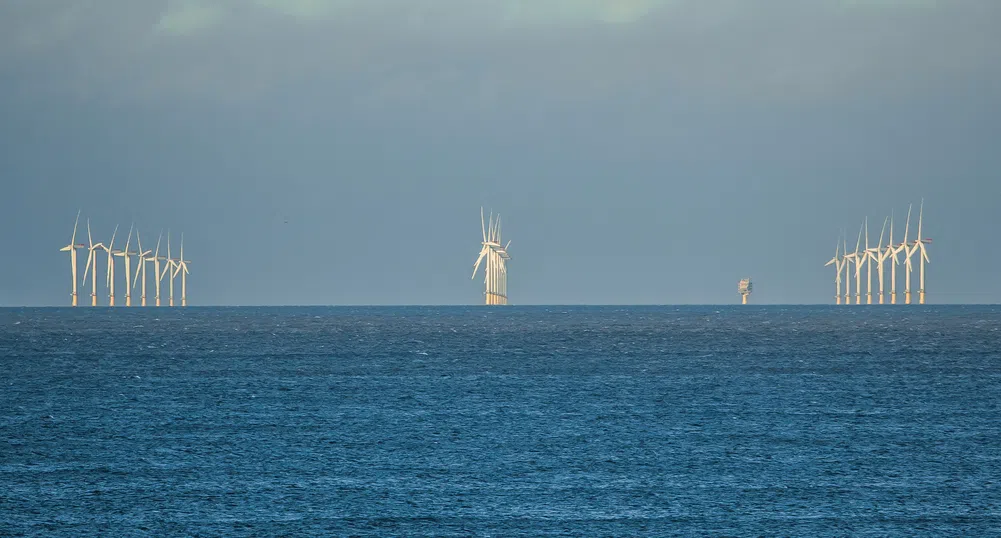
[
  {"x": 483, "y": 226},
  {"x": 476, "y": 266},
  {"x": 921, "y": 214},
  {"x": 87, "y": 268},
  {"x": 77, "y": 222}
]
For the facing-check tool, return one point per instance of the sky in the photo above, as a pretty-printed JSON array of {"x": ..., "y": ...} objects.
[{"x": 639, "y": 151}]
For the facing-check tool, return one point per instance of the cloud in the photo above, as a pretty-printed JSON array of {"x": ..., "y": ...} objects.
[
  {"x": 494, "y": 49},
  {"x": 189, "y": 17}
]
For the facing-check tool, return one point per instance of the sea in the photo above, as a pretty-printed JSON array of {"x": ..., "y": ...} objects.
[{"x": 501, "y": 421}]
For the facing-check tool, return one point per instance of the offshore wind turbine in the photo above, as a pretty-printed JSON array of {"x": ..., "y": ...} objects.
[
  {"x": 182, "y": 267},
  {"x": 92, "y": 262},
  {"x": 71, "y": 248},
  {"x": 859, "y": 262},
  {"x": 838, "y": 263},
  {"x": 141, "y": 269},
  {"x": 111, "y": 268},
  {"x": 902, "y": 247},
  {"x": 156, "y": 266},
  {"x": 167, "y": 267},
  {"x": 892, "y": 251},
  {"x": 867, "y": 260},
  {"x": 846, "y": 261},
  {"x": 919, "y": 245},
  {"x": 879, "y": 256},
  {"x": 127, "y": 254}
]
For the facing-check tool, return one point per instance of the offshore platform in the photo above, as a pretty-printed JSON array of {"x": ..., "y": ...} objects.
[{"x": 744, "y": 288}]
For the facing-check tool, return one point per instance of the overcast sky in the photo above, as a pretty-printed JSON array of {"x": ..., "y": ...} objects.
[{"x": 640, "y": 151}]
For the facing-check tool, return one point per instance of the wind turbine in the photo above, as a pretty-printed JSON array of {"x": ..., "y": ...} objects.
[
  {"x": 846, "y": 261},
  {"x": 892, "y": 251},
  {"x": 181, "y": 267},
  {"x": 838, "y": 264},
  {"x": 495, "y": 270},
  {"x": 128, "y": 266},
  {"x": 902, "y": 247},
  {"x": 111, "y": 268},
  {"x": 71, "y": 248},
  {"x": 859, "y": 262},
  {"x": 141, "y": 269},
  {"x": 170, "y": 264},
  {"x": 919, "y": 244},
  {"x": 92, "y": 262},
  {"x": 156, "y": 266},
  {"x": 867, "y": 260},
  {"x": 878, "y": 255}
]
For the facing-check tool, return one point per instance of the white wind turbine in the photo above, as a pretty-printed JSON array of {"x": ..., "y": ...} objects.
[
  {"x": 838, "y": 263},
  {"x": 180, "y": 267},
  {"x": 495, "y": 270},
  {"x": 110, "y": 249},
  {"x": 859, "y": 262},
  {"x": 902, "y": 247},
  {"x": 878, "y": 255},
  {"x": 919, "y": 245},
  {"x": 867, "y": 260},
  {"x": 127, "y": 254},
  {"x": 141, "y": 269},
  {"x": 92, "y": 265},
  {"x": 892, "y": 251},
  {"x": 156, "y": 266},
  {"x": 846, "y": 260},
  {"x": 171, "y": 263},
  {"x": 71, "y": 248}
]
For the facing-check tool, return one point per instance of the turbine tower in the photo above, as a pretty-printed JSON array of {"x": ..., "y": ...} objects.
[
  {"x": 495, "y": 270},
  {"x": 181, "y": 267},
  {"x": 919, "y": 245},
  {"x": 71, "y": 248},
  {"x": 92, "y": 262},
  {"x": 838, "y": 263},
  {"x": 128, "y": 266},
  {"x": 141, "y": 269},
  {"x": 110, "y": 249}
]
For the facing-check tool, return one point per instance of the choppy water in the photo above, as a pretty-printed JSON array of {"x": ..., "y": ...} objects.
[{"x": 752, "y": 421}]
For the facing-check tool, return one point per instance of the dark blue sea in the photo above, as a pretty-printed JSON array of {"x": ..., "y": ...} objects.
[{"x": 485, "y": 421}]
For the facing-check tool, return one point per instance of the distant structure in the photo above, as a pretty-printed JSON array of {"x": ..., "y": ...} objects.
[
  {"x": 71, "y": 248},
  {"x": 495, "y": 270},
  {"x": 179, "y": 266},
  {"x": 880, "y": 255},
  {"x": 744, "y": 288}
]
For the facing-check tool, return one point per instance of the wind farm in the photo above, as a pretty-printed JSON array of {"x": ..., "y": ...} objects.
[
  {"x": 496, "y": 256},
  {"x": 867, "y": 260},
  {"x": 865, "y": 256},
  {"x": 142, "y": 259}
]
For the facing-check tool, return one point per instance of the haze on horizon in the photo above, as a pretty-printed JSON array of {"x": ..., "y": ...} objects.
[{"x": 639, "y": 151}]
